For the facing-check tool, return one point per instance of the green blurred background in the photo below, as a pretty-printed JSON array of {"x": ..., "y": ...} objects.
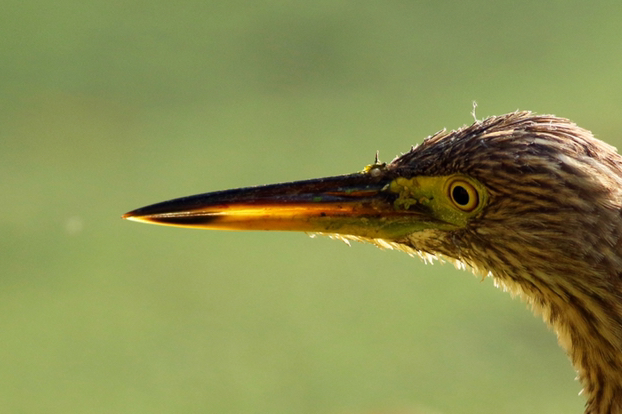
[{"x": 109, "y": 106}]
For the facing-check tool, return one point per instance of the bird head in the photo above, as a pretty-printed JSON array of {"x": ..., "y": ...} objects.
[{"x": 500, "y": 194}]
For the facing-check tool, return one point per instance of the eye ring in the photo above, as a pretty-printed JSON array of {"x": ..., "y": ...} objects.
[{"x": 463, "y": 195}]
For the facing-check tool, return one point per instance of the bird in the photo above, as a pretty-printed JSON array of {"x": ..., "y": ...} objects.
[{"x": 532, "y": 201}]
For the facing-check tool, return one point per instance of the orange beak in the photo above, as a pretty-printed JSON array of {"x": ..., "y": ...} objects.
[{"x": 356, "y": 204}]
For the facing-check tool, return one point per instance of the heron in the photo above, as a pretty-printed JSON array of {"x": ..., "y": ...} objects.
[{"x": 532, "y": 201}]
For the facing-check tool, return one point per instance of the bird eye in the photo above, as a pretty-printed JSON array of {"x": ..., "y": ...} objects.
[{"x": 463, "y": 195}]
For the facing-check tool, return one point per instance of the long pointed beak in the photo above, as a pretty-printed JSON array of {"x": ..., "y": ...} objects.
[{"x": 356, "y": 204}]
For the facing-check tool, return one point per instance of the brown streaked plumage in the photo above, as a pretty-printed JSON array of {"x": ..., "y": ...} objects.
[{"x": 533, "y": 201}]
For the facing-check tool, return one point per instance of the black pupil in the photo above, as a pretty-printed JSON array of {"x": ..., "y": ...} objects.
[{"x": 460, "y": 195}]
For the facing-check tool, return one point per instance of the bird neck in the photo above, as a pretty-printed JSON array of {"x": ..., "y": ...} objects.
[
  {"x": 586, "y": 314},
  {"x": 592, "y": 341}
]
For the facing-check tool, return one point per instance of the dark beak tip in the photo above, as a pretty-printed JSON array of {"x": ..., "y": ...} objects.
[{"x": 129, "y": 215}]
